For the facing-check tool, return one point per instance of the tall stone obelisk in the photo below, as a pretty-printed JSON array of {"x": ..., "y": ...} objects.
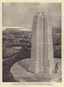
[{"x": 42, "y": 60}]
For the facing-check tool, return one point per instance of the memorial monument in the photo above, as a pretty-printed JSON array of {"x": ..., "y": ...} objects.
[{"x": 42, "y": 60}]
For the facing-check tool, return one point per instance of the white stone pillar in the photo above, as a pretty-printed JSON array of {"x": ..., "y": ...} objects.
[{"x": 42, "y": 60}]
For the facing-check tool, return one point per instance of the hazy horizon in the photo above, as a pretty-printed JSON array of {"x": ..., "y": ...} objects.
[{"x": 21, "y": 14}]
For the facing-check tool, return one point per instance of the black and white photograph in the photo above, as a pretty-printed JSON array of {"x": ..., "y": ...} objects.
[{"x": 31, "y": 42}]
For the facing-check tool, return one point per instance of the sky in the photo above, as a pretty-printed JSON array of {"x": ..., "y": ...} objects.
[{"x": 21, "y": 14}]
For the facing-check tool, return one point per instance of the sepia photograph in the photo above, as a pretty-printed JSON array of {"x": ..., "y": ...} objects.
[{"x": 31, "y": 42}]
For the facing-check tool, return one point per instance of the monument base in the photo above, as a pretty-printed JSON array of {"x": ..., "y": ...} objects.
[
  {"x": 27, "y": 76},
  {"x": 38, "y": 78}
]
